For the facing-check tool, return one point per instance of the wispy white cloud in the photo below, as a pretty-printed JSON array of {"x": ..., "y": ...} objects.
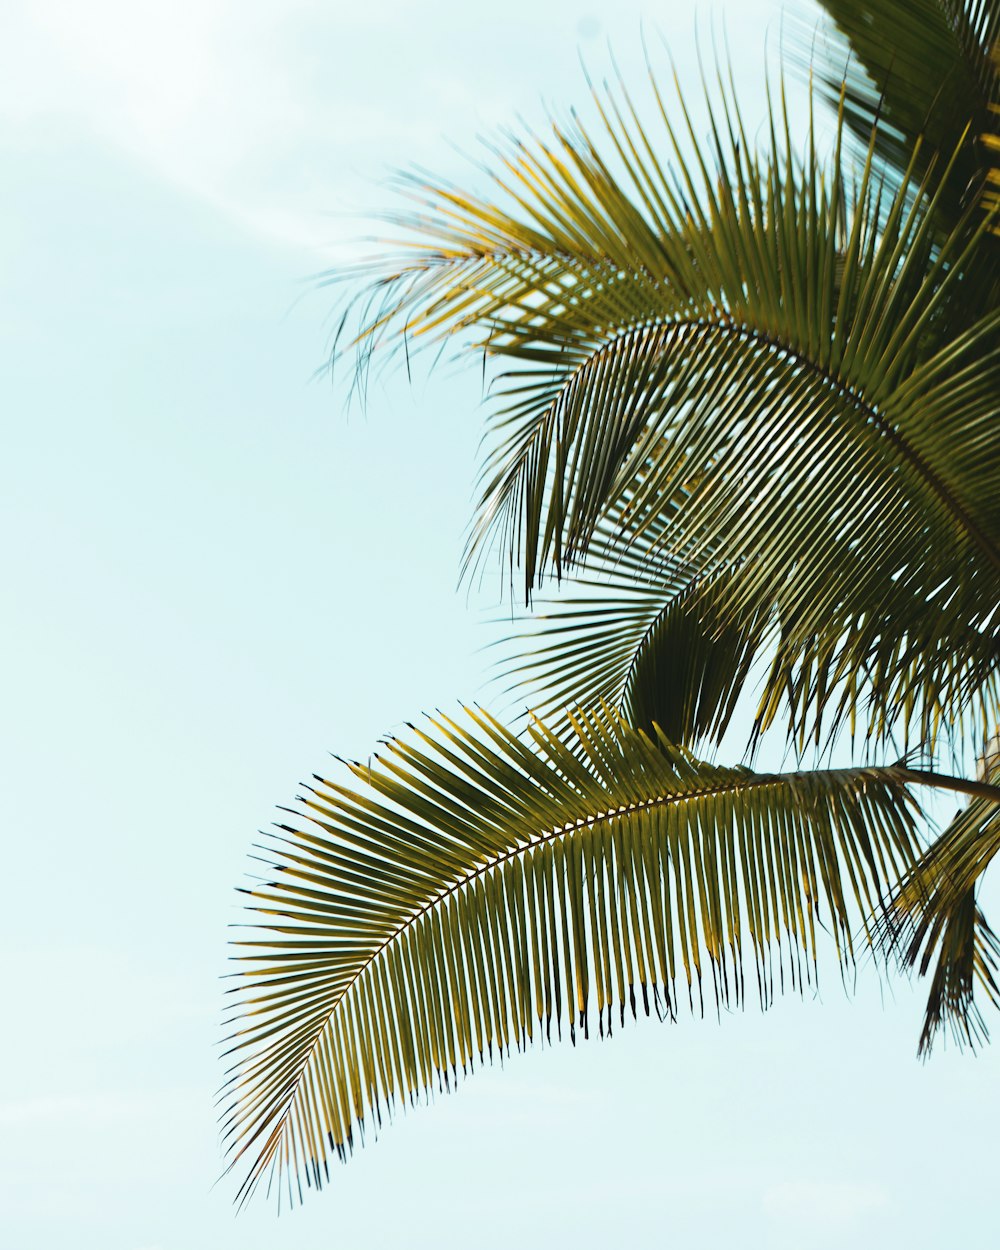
[
  {"x": 828, "y": 1202},
  {"x": 277, "y": 111},
  {"x": 267, "y": 108},
  {"x": 101, "y": 1107},
  {"x": 200, "y": 93}
]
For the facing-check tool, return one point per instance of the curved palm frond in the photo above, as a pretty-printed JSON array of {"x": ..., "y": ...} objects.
[
  {"x": 478, "y": 887},
  {"x": 656, "y": 639},
  {"x": 934, "y": 920},
  {"x": 920, "y": 73},
  {"x": 968, "y": 955},
  {"x": 761, "y": 329},
  {"x": 640, "y": 629},
  {"x": 597, "y": 287},
  {"x": 693, "y": 664},
  {"x": 874, "y": 533}
]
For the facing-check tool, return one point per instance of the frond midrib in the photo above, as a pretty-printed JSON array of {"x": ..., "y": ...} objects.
[
  {"x": 726, "y": 325},
  {"x": 734, "y": 784}
]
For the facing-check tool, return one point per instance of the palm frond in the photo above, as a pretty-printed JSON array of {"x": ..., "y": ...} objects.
[
  {"x": 968, "y": 956},
  {"x": 934, "y": 921},
  {"x": 693, "y": 663},
  {"x": 754, "y": 332},
  {"x": 639, "y": 628},
  {"x": 479, "y": 888},
  {"x": 991, "y": 141},
  {"x": 599, "y": 289},
  {"x": 919, "y": 73}
]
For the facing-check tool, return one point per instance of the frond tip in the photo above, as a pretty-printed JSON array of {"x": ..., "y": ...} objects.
[
  {"x": 935, "y": 927},
  {"x": 479, "y": 888}
]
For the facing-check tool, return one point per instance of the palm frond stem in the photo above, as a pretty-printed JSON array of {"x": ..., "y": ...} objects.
[
  {"x": 891, "y": 773},
  {"x": 944, "y": 781}
]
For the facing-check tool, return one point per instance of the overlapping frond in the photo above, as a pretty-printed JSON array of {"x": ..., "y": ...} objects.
[
  {"x": 921, "y": 71},
  {"x": 753, "y": 332},
  {"x": 478, "y": 889},
  {"x": 640, "y": 629},
  {"x": 747, "y": 400},
  {"x": 991, "y": 141},
  {"x": 599, "y": 290},
  {"x": 935, "y": 926}
]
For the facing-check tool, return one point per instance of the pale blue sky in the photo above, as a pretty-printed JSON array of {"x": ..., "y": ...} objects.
[{"x": 214, "y": 575}]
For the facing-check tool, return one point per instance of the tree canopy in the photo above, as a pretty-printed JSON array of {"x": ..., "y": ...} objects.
[{"x": 745, "y": 418}]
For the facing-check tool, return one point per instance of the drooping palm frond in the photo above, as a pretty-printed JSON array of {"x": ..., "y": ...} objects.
[
  {"x": 934, "y": 921},
  {"x": 755, "y": 332},
  {"x": 663, "y": 648},
  {"x": 639, "y": 628},
  {"x": 693, "y": 663},
  {"x": 921, "y": 71},
  {"x": 600, "y": 289},
  {"x": 478, "y": 888},
  {"x": 968, "y": 956}
]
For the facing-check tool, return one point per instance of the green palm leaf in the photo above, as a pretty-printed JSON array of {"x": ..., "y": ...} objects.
[
  {"x": 934, "y": 922},
  {"x": 479, "y": 888},
  {"x": 921, "y": 70},
  {"x": 663, "y": 656},
  {"x": 747, "y": 400},
  {"x": 618, "y": 299},
  {"x": 780, "y": 348},
  {"x": 991, "y": 141},
  {"x": 640, "y": 628}
]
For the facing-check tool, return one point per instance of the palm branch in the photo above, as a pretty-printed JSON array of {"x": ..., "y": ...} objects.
[
  {"x": 479, "y": 889},
  {"x": 775, "y": 343},
  {"x": 639, "y": 627},
  {"x": 746, "y": 409},
  {"x": 923, "y": 71},
  {"x": 934, "y": 925}
]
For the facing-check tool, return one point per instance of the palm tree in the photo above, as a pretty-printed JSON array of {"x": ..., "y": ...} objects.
[{"x": 746, "y": 415}]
